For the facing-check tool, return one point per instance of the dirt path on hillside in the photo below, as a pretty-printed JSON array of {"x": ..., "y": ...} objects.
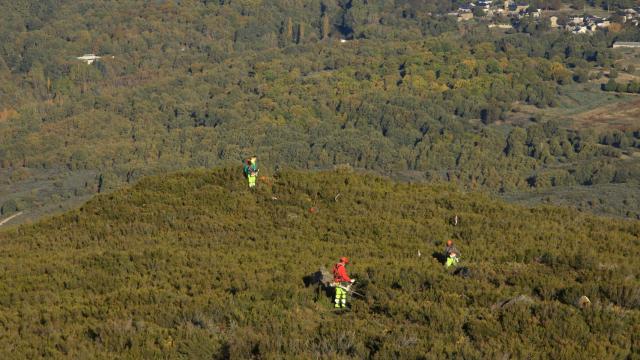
[{"x": 10, "y": 218}]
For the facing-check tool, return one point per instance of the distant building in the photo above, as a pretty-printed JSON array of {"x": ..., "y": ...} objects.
[
  {"x": 89, "y": 58},
  {"x": 485, "y": 4},
  {"x": 626, "y": 44},
  {"x": 501, "y": 26},
  {"x": 465, "y": 9}
]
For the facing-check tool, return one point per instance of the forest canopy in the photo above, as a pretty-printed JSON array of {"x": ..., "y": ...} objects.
[{"x": 186, "y": 84}]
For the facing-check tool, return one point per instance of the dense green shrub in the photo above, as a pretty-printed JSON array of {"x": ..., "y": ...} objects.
[{"x": 8, "y": 207}]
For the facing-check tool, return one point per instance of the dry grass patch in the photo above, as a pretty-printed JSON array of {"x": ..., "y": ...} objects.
[
  {"x": 6, "y": 114},
  {"x": 621, "y": 116}
]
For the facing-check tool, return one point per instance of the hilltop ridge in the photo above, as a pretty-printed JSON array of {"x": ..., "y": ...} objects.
[{"x": 195, "y": 265}]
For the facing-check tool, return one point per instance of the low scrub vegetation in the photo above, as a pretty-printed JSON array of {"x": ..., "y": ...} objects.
[{"x": 195, "y": 265}]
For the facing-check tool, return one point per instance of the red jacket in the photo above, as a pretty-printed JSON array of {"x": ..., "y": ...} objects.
[{"x": 340, "y": 273}]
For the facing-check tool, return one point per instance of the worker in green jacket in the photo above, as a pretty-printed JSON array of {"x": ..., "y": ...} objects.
[
  {"x": 452, "y": 254},
  {"x": 251, "y": 171}
]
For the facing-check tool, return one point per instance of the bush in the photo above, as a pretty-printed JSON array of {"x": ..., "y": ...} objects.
[
  {"x": 9, "y": 207},
  {"x": 621, "y": 87},
  {"x": 611, "y": 85},
  {"x": 581, "y": 76}
]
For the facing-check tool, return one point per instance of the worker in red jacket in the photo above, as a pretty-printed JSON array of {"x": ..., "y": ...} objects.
[{"x": 341, "y": 281}]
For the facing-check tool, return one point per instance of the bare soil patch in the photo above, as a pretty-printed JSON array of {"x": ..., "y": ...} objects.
[{"x": 622, "y": 116}]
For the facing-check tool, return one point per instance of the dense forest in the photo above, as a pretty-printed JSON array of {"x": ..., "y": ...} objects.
[
  {"x": 390, "y": 86},
  {"x": 196, "y": 265}
]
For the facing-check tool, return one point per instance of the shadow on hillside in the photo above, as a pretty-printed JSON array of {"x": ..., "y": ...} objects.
[
  {"x": 320, "y": 281},
  {"x": 463, "y": 272},
  {"x": 442, "y": 259}
]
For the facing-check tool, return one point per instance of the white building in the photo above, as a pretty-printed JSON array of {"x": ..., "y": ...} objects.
[
  {"x": 89, "y": 58},
  {"x": 626, "y": 44},
  {"x": 501, "y": 26}
]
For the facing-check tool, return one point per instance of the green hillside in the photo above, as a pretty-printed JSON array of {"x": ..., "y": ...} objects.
[{"x": 194, "y": 265}]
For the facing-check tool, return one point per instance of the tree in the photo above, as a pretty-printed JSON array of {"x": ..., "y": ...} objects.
[
  {"x": 300, "y": 33},
  {"x": 8, "y": 207},
  {"x": 491, "y": 113},
  {"x": 634, "y": 87},
  {"x": 581, "y": 75},
  {"x": 611, "y": 85},
  {"x": 621, "y": 87},
  {"x": 516, "y": 143}
]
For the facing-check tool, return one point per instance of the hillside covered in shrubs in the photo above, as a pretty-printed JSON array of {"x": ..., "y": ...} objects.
[{"x": 195, "y": 265}]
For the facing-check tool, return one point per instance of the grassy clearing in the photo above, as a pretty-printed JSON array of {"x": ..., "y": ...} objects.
[
  {"x": 621, "y": 200},
  {"x": 587, "y": 106},
  {"x": 623, "y": 115},
  {"x": 629, "y": 57},
  {"x": 40, "y": 193}
]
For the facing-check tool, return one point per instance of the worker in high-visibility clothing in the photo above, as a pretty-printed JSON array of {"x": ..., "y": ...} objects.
[
  {"x": 341, "y": 281},
  {"x": 251, "y": 170},
  {"x": 452, "y": 254}
]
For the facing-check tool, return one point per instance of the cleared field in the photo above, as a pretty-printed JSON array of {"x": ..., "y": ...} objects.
[
  {"x": 567, "y": 10},
  {"x": 42, "y": 193},
  {"x": 628, "y": 57},
  {"x": 586, "y": 106},
  {"x": 581, "y": 106},
  {"x": 621, "y": 115},
  {"x": 619, "y": 200}
]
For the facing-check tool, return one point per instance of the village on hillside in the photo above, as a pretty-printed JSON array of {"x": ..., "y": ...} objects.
[{"x": 506, "y": 14}]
